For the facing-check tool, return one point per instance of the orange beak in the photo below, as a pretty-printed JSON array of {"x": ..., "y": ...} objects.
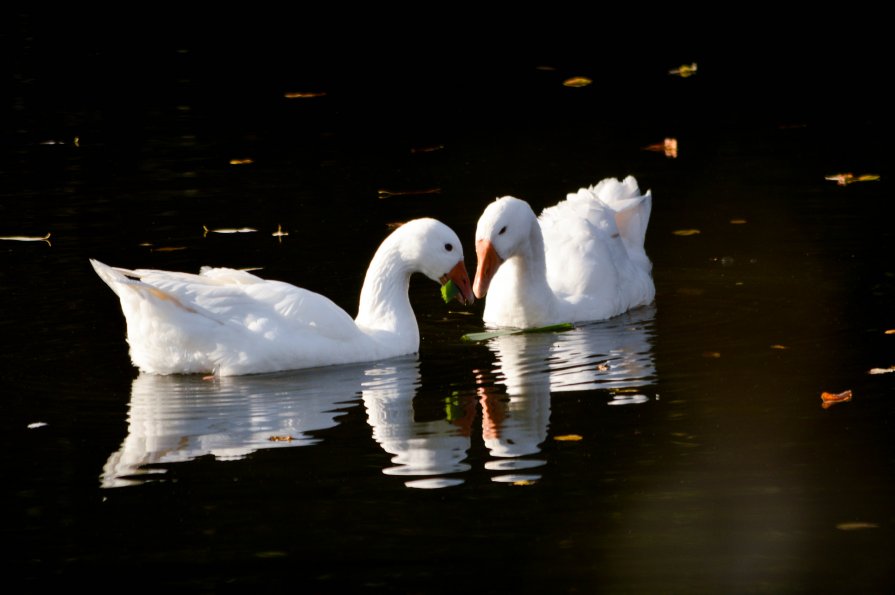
[
  {"x": 461, "y": 279},
  {"x": 488, "y": 263}
]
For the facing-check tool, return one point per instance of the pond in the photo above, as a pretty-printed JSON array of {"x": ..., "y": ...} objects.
[{"x": 679, "y": 447}]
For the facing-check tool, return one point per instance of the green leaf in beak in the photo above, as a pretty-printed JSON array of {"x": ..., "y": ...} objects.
[{"x": 448, "y": 291}]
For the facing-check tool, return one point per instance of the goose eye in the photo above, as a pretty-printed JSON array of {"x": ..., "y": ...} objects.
[
  {"x": 502, "y": 230},
  {"x": 449, "y": 247}
]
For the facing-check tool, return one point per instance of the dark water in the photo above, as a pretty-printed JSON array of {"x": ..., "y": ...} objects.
[{"x": 679, "y": 448}]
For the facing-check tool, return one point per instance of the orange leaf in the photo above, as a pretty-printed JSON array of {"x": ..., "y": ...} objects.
[
  {"x": 830, "y": 399},
  {"x": 568, "y": 438}
]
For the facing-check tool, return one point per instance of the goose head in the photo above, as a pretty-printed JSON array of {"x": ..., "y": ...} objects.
[
  {"x": 503, "y": 231},
  {"x": 433, "y": 249}
]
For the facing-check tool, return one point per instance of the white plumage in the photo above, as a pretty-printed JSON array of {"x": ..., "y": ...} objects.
[
  {"x": 230, "y": 322},
  {"x": 583, "y": 259}
]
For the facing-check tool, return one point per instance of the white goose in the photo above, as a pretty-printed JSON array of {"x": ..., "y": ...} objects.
[
  {"x": 583, "y": 259},
  {"x": 231, "y": 322}
]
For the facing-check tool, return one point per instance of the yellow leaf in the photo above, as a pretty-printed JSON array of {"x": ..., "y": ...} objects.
[
  {"x": 686, "y": 232},
  {"x": 568, "y": 438},
  {"x": 684, "y": 70},
  {"x": 845, "y": 179},
  {"x": 891, "y": 331},
  {"x": 246, "y": 161},
  {"x": 523, "y": 482},
  {"x": 281, "y": 438},
  {"x": 577, "y": 81}
]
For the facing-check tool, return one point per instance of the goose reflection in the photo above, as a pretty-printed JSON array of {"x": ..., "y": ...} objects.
[
  {"x": 427, "y": 449},
  {"x": 613, "y": 355},
  {"x": 179, "y": 418}
]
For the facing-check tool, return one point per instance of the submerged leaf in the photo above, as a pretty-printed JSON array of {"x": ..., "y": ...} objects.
[
  {"x": 686, "y": 232},
  {"x": 426, "y": 149},
  {"x": 856, "y": 525},
  {"x": 737, "y": 221},
  {"x": 484, "y": 336}
]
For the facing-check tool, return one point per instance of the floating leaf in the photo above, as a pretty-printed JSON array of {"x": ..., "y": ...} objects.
[
  {"x": 577, "y": 81},
  {"x": 484, "y": 336},
  {"x": 668, "y": 147},
  {"x": 45, "y": 238},
  {"x": 686, "y": 232},
  {"x": 849, "y": 178},
  {"x": 303, "y": 95},
  {"x": 684, "y": 70},
  {"x": 449, "y": 290},
  {"x": 888, "y": 370},
  {"x": 568, "y": 438},
  {"x": 387, "y": 193},
  {"x": 778, "y": 346},
  {"x": 830, "y": 399},
  {"x": 230, "y": 230},
  {"x": 891, "y": 331},
  {"x": 245, "y": 161}
]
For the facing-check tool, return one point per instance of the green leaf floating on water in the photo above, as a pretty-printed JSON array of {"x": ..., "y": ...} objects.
[
  {"x": 449, "y": 290},
  {"x": 484, "y": 336}
]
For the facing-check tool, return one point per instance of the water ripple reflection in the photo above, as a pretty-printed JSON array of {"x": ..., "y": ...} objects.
[
  {"x": 179, "y": 418},
  {"x": 614, "y": 355}
]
